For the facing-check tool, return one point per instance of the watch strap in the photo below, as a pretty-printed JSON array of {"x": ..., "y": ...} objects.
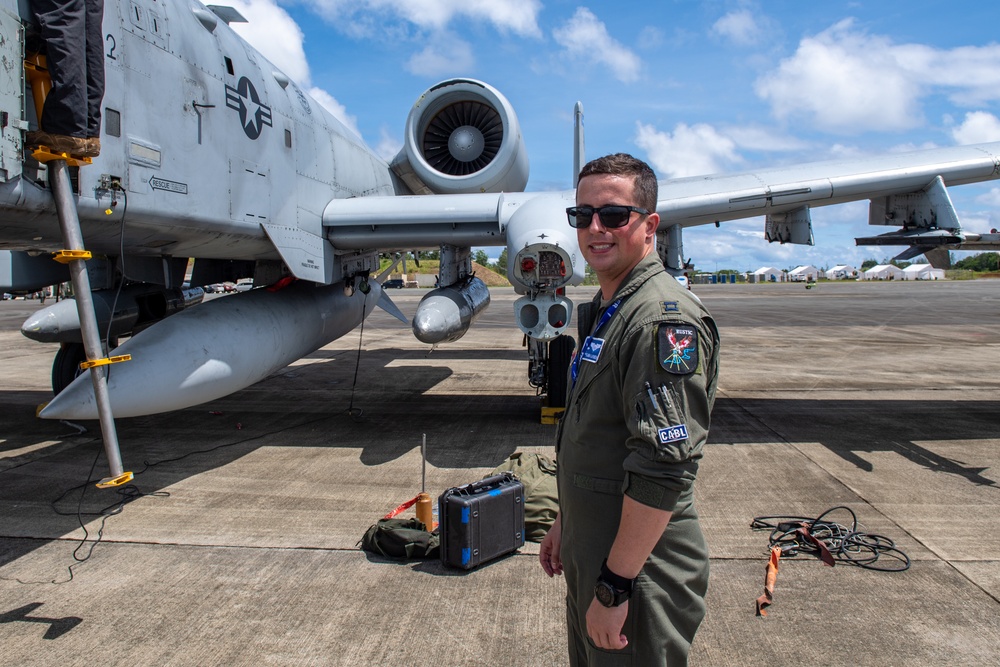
[{"x": 620, "y": 583}]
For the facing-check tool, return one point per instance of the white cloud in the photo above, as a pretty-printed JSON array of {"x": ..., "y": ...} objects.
[
  {"x": 739, "y": 26},
  {"x": 339, "y": 111},
  {"x": 517, "y": 16},
  {"x": 443, "y": 57},
  {"x": 991, "y": 198},
  {"x": 276, "y": 35},
  {"x": 845, "y": 80},
  {"x": 687, "y": 151},
  {"x": 978, "y": 127},
  {"x": 584, "y": 37},
  {"x": 388, "y": 145},
  {"x": 758, "y": 138}
]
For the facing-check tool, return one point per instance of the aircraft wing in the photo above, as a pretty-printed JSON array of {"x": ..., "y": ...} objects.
[{"x": 906, "y": 190}]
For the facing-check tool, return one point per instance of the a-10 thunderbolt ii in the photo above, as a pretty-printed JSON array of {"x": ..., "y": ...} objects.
[{"x": 211, "y": 153}]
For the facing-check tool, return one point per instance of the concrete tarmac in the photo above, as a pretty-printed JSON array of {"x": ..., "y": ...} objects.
[{"x": 237, "y": 542}]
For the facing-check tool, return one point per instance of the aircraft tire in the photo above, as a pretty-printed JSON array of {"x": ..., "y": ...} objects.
[
  {"x": 557, "y": 378},
  {"x": 66, "y": 365}
]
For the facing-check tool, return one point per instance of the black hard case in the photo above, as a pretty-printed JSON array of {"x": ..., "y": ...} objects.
[{"x": 481, "y": 521}]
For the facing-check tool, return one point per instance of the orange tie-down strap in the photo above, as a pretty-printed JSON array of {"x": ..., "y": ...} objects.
[
  {"x": 772, "y": 576},
  {"x": 408, "y": 504}
]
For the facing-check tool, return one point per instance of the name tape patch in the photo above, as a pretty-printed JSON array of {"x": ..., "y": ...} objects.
[
  {"x": 592, "y": 349},
  {"x": 673, "y": 433}
]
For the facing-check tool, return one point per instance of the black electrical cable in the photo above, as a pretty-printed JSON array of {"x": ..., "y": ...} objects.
[
  {"x": 351, "y": 410},
  {"x": 121, "y": 282},
  {"x": 126, "y": 494},
  {"x": 846, "y": 544}
]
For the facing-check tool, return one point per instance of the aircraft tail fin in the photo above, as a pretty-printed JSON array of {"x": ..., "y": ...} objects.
[{"x": 578, "y": 148}]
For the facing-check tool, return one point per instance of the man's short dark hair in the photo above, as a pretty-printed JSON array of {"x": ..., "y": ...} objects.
[{"x": 623, "y": 164}]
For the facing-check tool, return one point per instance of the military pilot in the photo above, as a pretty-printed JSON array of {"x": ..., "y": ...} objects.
[{"x": 627, "y": 536}]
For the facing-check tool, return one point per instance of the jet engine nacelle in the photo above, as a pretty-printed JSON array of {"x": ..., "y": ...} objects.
[
  {"x": 462, "y": 136},
  {"x": 543, "y": 257}
]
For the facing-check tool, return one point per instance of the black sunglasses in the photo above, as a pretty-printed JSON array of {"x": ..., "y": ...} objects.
[{"x": 612, "y": 216}]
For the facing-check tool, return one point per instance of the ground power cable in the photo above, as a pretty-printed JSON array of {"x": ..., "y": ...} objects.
[{"x": 822, "y": 537}]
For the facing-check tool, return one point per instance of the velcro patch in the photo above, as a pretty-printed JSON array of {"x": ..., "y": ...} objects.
[
  {"x": 673, "y": 433},
  {"x": 592, "y": 349},
  {"x": 677, "y": 348},
  {"x": 669, "y": 307}
]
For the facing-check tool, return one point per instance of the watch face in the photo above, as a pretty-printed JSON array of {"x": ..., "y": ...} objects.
[{"x": 604, "y": 594}]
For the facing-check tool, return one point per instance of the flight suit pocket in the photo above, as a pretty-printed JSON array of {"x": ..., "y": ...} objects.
[{"x": 660, "y": 425}]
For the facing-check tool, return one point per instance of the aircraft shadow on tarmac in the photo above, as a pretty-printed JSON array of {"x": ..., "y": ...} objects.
[
  {"x": 850, "y": 428},
  {"x": 307, "y": 406},
  {"x": 57, "y": 626}
]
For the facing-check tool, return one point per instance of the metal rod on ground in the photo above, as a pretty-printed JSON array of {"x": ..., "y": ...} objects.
[
  {"x": 425, "y": 509},
  {"x": 69, "y": 221}
]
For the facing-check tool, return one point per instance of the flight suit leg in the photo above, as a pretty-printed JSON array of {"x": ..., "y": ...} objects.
[
  {"x": 95, "y": 65},
  {"x": 63, "y": 29},
  {"x": 670, "y": 596}
]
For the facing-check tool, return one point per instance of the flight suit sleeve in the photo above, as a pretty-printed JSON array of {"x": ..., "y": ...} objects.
[{"x": 668, "y": 370}]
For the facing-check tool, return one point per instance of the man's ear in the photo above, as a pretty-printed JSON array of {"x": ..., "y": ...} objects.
[{"x": 652, "y": 222}]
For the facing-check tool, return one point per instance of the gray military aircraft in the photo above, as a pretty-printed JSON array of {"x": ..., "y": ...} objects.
[{"x": 238, "y": 169}]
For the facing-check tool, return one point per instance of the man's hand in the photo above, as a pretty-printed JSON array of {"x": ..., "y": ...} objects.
[
  {"x": 604, "y": 625},
  {"x": 548, "y": 556}
]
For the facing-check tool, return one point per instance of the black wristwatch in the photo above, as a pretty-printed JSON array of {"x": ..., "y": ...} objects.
[{"x": 611, "y": 590}]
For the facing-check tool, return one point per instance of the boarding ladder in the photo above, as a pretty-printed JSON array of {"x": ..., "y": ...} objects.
[{"x": 75, "y": 256}]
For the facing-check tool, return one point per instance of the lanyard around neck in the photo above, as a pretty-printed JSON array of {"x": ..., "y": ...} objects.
[{"x": 605, "y": 318}]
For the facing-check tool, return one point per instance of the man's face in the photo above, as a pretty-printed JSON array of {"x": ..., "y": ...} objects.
[{"x": 612, "y": 253}]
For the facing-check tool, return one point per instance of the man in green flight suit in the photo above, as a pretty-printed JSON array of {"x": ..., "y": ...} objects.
[{"x": 627, "y": 536}]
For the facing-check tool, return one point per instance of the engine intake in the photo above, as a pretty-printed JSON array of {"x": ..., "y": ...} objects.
[{"x": 462, "y": 136}]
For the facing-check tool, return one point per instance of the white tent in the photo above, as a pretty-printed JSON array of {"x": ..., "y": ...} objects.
[
  {"x": 805, "y": 273},
  {"x": 922, "y": 272},
  {"x": 769, "y": 274},
  {"x": 884, "y": 272},
  {"x": 842, "y": 272}
]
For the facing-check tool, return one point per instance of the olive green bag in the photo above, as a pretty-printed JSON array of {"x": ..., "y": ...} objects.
[
  {"x": 537, "y": 473},
  {"x": 401, "y": 539}
]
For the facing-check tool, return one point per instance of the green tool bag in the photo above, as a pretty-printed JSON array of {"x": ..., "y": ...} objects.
[
  {"x": 537, "y": 473},
  {"x": 401, "y": 539}
]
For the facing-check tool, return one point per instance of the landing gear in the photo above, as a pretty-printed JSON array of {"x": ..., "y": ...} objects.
[
  {"x": 548, "y": 371},
  {"x": 560, "y": 357},
  {"x": 66, "y": 365}
]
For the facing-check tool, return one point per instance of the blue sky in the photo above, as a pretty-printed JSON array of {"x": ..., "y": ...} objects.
[{"x": 690, "y": 87}]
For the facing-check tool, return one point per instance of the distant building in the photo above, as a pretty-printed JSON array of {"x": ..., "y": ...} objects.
[
  {"x": 804, "y": 274},
  {"x": 922, "y": 272},
  {"x": 842, "y": 272},
  {"x": 884, "y": 272},
  {"x": 768, "y": 274}
]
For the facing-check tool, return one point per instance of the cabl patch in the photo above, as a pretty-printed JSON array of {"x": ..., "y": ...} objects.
[{"x": 673, "y": 434}]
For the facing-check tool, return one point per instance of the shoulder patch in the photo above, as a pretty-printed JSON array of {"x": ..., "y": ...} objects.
[
  {"x": 669, "y": 307},
  {"x": 677, "y": 348}
]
